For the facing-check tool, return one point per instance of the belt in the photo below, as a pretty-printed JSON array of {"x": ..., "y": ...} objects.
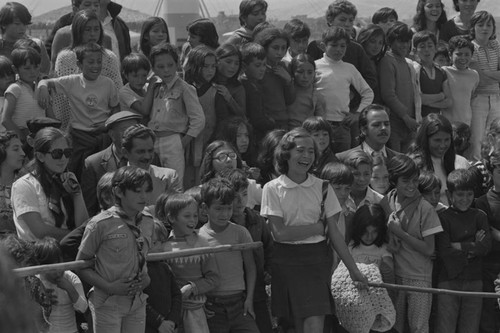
[{"x": 224, "y": 300}]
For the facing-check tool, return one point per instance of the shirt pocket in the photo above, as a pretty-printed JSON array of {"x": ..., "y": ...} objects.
[
  {"x": 173, "y": 102},
  {"x": 118, "y": 247}
]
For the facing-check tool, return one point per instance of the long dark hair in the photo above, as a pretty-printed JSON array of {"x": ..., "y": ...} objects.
[
  {"x": 207, "y": 171},
  {"x": 419, "y": 20},
  {"x": 194, "y": 64},
  {"x": 365, "y": 216},
  {"x": 80, "y": 20},
  {"x": 144, "y": 42}
]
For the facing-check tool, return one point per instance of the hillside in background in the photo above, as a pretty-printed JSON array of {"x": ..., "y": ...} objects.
[{"x": 128, "y": 15}]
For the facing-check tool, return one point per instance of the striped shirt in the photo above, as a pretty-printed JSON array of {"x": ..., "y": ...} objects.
[{"x": 487, "y": 59}]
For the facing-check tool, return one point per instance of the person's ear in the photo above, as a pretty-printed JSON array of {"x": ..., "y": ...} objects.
[
  {"x": 40, "y": 156},
  {"x": 322, "y": 46},
  {"x": 79, "y": 65},
  {"x": 30, "y": 141}
]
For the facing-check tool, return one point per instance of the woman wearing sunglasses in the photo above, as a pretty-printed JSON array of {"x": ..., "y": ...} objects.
[{"x": 48, "y": 201}]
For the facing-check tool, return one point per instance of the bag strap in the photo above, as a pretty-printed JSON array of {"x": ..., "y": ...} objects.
[{"x": 325, "y": 193}]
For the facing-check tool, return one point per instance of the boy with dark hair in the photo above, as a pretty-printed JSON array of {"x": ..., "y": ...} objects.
[
  {"x": 299, "y": 33},
  {"x": 385, "y": 18},
  {"x": 460, "y": 247},
  {"x": 232, "y": 300},
  {"x": 399, "y": 87},
  {"x": 442, "y": 56},
  {"x": 252, "y": 12},
  {"x": 260, "y": 232},
  {"x": 119, "y": 239},
  {"x": 490, "y": 204},
  {"x": 335, "y": 79},
  {"x": 92, "y": 98},
  {"x": 253, "y": 56}
]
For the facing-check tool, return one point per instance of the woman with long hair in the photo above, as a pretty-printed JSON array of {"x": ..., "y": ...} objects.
[{"x": 430, "y": 16}]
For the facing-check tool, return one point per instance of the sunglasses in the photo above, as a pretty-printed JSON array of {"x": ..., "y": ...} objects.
[
  {"x": 57, "y": 154},
  {"x": 222, "y": 157}
]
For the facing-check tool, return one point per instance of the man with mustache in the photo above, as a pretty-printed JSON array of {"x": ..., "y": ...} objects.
[
  {"x": 375, "y": 130},
  {"x": 138, "y": 147}
]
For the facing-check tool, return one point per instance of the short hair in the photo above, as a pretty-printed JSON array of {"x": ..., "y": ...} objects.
[
  {"x": 399, "y": 32},
  {"x": 296, "y": 29},
  {"x": 237, "y": 177},
  {"x": 105, "y": 188},
  {"x": 163, "y": 48},
  {"x": 80, "y": 20},
  {"x": 461, "y": 180},
  {"x": 481, "y": 17},
  {"x": 22, "y": 55},
  {"x": 461, "y": 133},
  {"x": 82, "y": 51},
  {"x": 130, "y": 178},
  {"x": 27, "y": 42},
  {"x": 148, "y": 24},
  {"x": 363, "y": 118},
  {"x": 459, "y": 42},
  {"x": 338, "y": 7},
  {"x": 20, "y": 250},
  {"x": 5, "y": 138},
  {"x": 357, "y": 157},
  {"x": 137, "y": 131},
  {"x": 365, "y": 216},
  {"x": 134, "y": 62},
  {"x": 442, "y": 49},
  {"x": 317, "y": 123},
  {"x": 334, "y": 34},
  {"x": 217, "y": 189},
  {"x": 383, "y": 15},
  {"x": 428, "y": 181},
  {"x": 301, "y": 58},
  {"x": 247, "y": 7},
  {"x": 11, "y": 11},
  {"x": 47, "y": 251},
  {"x": 174, "y": 203},
  {"x": 251, "y": 51},
  {"x": 195, "y": 192},
  {"x": 401, "y": 166},
  {"x": 287, "y": 143},
  {"x": 205, "y": 29},
  {"x": 6, "y": 67},
  {"x": 269, "y": 34},
  {"x": 337, "y": 173},
  {"x": 455, "y": 5},
  {"x": 423, "y": 36},
  {"x": 229, "y": 50}
]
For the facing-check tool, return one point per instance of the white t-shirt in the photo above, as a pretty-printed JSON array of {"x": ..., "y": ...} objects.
[
  {"x": 298, "y": 204},
  {"x": 369, "y": 254}
]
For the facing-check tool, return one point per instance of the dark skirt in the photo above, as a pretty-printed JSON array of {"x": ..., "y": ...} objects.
[{"x": 301, "y": 275}]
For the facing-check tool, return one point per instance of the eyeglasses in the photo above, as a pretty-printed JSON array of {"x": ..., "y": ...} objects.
[
  {"x": 57, "y": 154},
  {"x": 222, "y": 157}
]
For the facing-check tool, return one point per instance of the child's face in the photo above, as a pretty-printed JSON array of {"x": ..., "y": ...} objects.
[
  {"x": 342, "y": 192},
  {"x": 322, "y": 139},
  {"x": 5, "y": 82},
  {"x": 240, "y": 202},
  {"x": 256, "y": 69},
  {"x": 439, "y": 144},
  {"x": 460, "y": 58},
  {"x": 362, "y": 176},
  {"x": 426, "y": 51},
  {"x": 209, "y": 68},
  {"x": 461, "y": 199},
  {"x": 276, "y": 51},
  {"x": 14, "y": 31},
  {"x": 407, "y": 187},
  {"x": 193, "y": 40},
  {"x": 301, "y": 156},
  {"x": 343, "y": 20},
  {"x": 157, "y": 34},
  {"x": 219, "y": 213},
  {"x": 374, "y": 45},
  {"x": 165, "y": 67},
  {"x": 304, "y": 74},
  {"x": 467, "y": 7},
  {"x": 336, "y": 49},
  {"x": 298, "y": 45},
  {"x": 224, "y": 158},
  {"x": 441, "y": 60},
  {"x": 91, "y": 32},
  {"x": 370, "y": 235},
  {"x": 137, "y": 79},
  {"x": 385, "y": 25},
  {"x": 484, "y": 30},
  {"x": 242, "y": 139},
  {"x": 91, "y": 65},
  {"x": 93, "y": 5},
  {"x": 400, "y": 48},
  {"x": 185, "y": 221},
  {"x": 256, "y": 16},
  {"x": 15, "y": 154},
  {"x": 29, "y": 72},
  {"x": 432, "y": 196},
  {"x": 380, "y": 179},
  {"x": 433, "y": 10},
  {"x": 132, "y": 201},
  {"x": 228, "y": 66}
]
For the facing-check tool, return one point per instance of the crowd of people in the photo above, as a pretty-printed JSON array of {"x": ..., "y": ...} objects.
[{"x": 374, "y": 145}]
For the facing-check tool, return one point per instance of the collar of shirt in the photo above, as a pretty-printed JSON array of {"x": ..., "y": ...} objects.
[
  {"x": 330, "y": 60},
  {"x": 369, "y": 150},
  {"x": 288, "y": 183},
  {"x": 170, "y": 84}
]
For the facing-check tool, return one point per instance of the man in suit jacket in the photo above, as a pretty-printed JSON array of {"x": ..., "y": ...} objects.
[
  {"x": 375, "y": 130},
  {"x": 138, "y": 147}
]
